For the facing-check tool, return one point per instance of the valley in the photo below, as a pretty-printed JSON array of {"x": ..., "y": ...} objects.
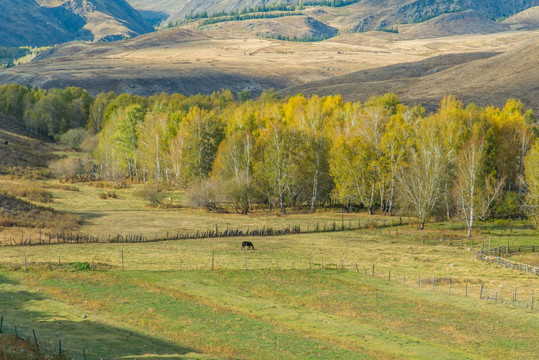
[{"x": 269, "y": 179}]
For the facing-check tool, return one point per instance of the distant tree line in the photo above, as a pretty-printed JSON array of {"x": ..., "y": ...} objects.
[
  {"x": 256, "y": 12},
  {"x": 240, "y": 17},
  {"x": 301, "y": 38},
  {"x": 468, "y": 161}
]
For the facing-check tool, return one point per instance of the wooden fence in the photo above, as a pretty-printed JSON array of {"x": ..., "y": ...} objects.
[
  {"x": 494, "y": 255},
  {"x": 66, "y": 237}
]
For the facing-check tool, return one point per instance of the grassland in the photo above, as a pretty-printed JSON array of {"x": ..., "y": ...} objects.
[
  {"x": 302, "y": 296},
  {"x": 261, "y": 314}
]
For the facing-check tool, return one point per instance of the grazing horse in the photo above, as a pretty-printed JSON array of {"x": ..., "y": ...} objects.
[{"x": 248, "y": 245}]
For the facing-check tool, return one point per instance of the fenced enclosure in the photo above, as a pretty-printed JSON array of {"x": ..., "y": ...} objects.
[{"x": 495, "y": 255}]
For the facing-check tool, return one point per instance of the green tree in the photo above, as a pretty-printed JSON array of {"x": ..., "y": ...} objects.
[
  {"x": 202, "y": 132},
  {"x": 532, "y": 180}
]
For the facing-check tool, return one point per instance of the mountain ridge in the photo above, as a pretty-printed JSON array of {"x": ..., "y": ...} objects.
[{"x": 51, "y": 22}]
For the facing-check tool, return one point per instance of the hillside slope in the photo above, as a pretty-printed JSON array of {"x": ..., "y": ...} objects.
[
  {"x": 486, "y": 79},
  {"x": 525, "y": 20},
  {"x": 20, "y": 152},
  {"x": 376, "y": 14},
  {"x": 359, "y": 16},
  {"x": 466, "y": 22},
  {"x": 49, "y": 22}
]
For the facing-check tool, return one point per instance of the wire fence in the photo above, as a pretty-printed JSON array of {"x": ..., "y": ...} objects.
[
  {"x": 452, "y": 285},
  {"x": 34, "y": 341}
]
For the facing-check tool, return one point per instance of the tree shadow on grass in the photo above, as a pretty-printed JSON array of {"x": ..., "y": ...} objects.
[{"x": 53, "y": 322}]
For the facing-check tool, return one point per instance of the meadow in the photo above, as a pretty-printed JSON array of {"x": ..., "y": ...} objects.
[{"x": 307, "y": 296}]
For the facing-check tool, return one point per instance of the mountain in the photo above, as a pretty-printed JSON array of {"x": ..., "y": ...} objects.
[
  {"x": 466, "y": 53},
  {"x": 363, "y": 15},
  {"x": 50, "y": 22}
]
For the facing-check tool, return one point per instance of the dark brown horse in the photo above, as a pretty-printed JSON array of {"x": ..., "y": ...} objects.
[{"x": 248, "y": 245}]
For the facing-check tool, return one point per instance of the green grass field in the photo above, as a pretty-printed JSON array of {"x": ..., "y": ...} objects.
[
  {"x": 262, "y": 314},
  {"x": 302, "y": 296}
]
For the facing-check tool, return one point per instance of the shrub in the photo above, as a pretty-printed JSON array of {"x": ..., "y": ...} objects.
[
  {"x": 509, "y": 206},
  {"x": 103, "y": 196},
  {"x": 72, "y": 169},
  {"x": 204, "y": 194},
  {"x": 74, "y": 138},
  {"x": 81, "y": 266},
  {"x": 152, "y": 193},
  {"x": 27, "y": 190}
]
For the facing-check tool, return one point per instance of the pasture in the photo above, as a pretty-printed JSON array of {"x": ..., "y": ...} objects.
[{"x": 306, "y": 296}]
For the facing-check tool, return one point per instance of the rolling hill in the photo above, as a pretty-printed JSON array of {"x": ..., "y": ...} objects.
[
  {"x": 525, "y": 20},
  {"x": 483, "y": 78},
  {"x": 466, "y": 22},
  {"x": 49, "y": 22}
]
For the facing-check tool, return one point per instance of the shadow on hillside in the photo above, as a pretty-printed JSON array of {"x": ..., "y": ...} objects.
[{"x": 100, "y": 340}]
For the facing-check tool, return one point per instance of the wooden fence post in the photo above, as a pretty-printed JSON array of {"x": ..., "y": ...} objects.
[
  {"x": 389, "y": 276},
  {"x": 481, "y": 292},
  {"x": 466, "y": 288},
  {"x": 35, "y": 339},
  {"x": 449, "y": 286},
  {"x": 433, "y": 282},
  {"x": 25, "y": 266},
  {"x": 245, "y": 259}
]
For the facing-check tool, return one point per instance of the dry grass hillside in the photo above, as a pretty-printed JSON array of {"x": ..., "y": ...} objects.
[
  {"x": 19, "y": 151},
  {"x": 291, "y": 27},
  {"x": 483, "y": 78},
  {"x": 466, "y": 22},
  {"x": 525, "y": 20}
]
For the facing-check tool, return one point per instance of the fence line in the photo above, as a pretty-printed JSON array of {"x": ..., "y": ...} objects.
[
  {"x": 494, "y": 255},
  {"x": 44, "y": 346},
  {"x": 448, "y": 284},
  {"x": 78, "y": 238}
]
